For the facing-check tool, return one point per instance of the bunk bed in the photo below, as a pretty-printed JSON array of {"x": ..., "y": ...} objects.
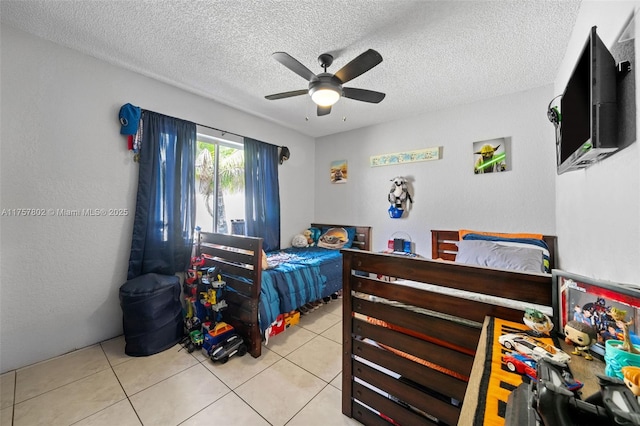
[
  {"x": 253, "y": 298},
  {"x": 411, "y": 328}
]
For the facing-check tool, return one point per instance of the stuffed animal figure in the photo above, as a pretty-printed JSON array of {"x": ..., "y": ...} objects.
[
  {"x": 299, "y": 241},
  {"x": 309, "y": 236},
  {"x": 399, "y": 192},
  {"x": 315, "y": 236}
]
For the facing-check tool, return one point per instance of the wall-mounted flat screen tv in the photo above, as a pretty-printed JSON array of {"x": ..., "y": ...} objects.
[{"x": 588, "y": 109}]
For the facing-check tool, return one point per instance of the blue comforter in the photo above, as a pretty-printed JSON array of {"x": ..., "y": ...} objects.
[{"x": 297, "y": 276}]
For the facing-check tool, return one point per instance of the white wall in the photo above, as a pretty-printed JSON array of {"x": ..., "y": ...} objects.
[
  {"x": 598, "y": 209},
  {"x": 61, "y": 149},
  {"x": 447, "y": 194}
]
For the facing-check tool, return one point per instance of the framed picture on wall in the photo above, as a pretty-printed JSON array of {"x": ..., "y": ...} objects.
[
  {"x": 590, "y": 301},
  {"x": 492, "y": 156},
  {"x": 338, "y": 172}
]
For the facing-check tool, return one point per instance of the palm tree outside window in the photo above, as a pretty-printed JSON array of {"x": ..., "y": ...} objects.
[{"x": 220, "y": 188}]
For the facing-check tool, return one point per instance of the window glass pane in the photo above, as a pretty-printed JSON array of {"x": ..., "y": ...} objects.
[{"x": 220, "y": 171}]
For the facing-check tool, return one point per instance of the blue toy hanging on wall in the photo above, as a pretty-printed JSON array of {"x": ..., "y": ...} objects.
[{"x": 398, "y": 196}]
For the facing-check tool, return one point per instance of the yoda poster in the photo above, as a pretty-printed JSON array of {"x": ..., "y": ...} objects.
[{"x": 491, "y": 156}]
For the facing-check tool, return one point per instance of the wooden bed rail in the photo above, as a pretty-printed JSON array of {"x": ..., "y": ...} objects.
[
  {"x": 429, "y": 347},
  {"x": 239, "y": 258}
]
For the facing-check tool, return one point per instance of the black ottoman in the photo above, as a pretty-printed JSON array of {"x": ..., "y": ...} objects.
[{"x": 151, "y": 314}]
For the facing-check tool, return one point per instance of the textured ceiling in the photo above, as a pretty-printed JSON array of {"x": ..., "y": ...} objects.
[{"x": 436, "y": 54}]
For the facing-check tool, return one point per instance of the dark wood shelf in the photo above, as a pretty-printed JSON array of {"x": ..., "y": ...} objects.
[{"x": 585, "y": 371}]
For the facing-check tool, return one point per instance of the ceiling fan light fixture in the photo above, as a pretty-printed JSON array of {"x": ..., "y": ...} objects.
[
  {"x": 325, "y": 89},
  {"x": 325, "y": 96}
]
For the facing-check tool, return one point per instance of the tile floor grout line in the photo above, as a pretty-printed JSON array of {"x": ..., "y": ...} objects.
[
  {"x": 250, "y": 406},
  {"x": 308, "y": 402},
  {"x": 166, "y": 378},
  {"x": 123, "y": 391},
  {"x": 256, "y": 374},
  {"x": 208, "y": 405},
  {"x": 53, "y": 389}
]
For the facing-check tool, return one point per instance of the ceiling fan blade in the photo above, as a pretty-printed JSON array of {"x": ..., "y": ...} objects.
[
  {"x": 323, "y": 110},
  {"x": 294, "y": 65},
  {"x": 363, "y": 95},
  {"x": 359, "y": 65},
  {"x": 287, "y": 94}
]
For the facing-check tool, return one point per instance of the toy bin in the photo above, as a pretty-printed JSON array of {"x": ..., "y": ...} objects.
[{"x": 152, "y": 314}]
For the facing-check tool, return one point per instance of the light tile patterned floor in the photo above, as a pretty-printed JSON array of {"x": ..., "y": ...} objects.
[{"x": 296, "y": 381}]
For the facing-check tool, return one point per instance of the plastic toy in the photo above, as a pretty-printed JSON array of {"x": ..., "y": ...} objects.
[
  {"x": 275, "y": 328},
  {"x": 196, "y": 339},
  {"x": 522, "y": 364},
  {"x": 533, "y": 348},
  {"x": 220, "y": 332},
  {"x": 192, "y": 323},
  {"x": 233, "y": 345},
  {"x": 582, "y": 336},
  {"x": 631, "y": 378},
  {"x": 538, "y": 322},
  {"x": 212, "y": 299},
  {"x": 549, "y": 401},
  {"x": 618, "y": 316},
  {"x": 208, "y": 297}
]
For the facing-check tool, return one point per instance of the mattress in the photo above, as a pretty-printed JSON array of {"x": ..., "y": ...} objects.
[{"x": 297, "y": 276}]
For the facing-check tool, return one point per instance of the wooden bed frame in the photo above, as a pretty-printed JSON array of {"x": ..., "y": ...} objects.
[
  {"x": 242, "y": 256},
  {"x": 443, "y": 246},
  {"x": 447, "y": 337}
]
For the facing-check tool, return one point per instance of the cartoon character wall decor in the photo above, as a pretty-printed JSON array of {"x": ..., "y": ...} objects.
[{"x": 491, "y": 156}]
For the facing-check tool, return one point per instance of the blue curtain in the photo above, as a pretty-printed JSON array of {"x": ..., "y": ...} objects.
[
  {"x": 165, "y": 206},
  {"x": 262, "y": 192}
]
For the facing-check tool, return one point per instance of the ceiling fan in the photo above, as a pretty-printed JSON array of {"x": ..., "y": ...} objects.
[{"x": 326, "y": 89}]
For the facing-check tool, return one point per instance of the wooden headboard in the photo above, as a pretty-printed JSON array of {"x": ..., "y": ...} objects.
[
  {"x": 362, "y": 239},
  {"x": 443, "y": 246}
]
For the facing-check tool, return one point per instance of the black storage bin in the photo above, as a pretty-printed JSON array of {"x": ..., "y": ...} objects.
[{"x": 151, "y": 314}]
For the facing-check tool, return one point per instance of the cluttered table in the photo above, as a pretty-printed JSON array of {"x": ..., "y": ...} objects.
[{"x": 491, "y": 381}]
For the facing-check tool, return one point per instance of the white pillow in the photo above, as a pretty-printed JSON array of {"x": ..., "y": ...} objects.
[{"x": 486, "y": 253}]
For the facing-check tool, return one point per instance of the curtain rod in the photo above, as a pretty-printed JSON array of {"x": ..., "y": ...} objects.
[{"x": 224, "y": 132}]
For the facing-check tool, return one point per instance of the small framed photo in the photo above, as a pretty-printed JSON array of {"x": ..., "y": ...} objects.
[
  {"x": 590, "y": 301},
  {"x": 338, "y": 172}
]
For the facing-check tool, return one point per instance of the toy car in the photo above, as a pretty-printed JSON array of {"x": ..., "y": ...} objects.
[
  {"x": 220, "y": 332},
  {"x": 232, "y": 345},
  {"x": 521, "y": 364},
  {"x": 196, "y": 338},
  {"x": 534, "y": 348}
]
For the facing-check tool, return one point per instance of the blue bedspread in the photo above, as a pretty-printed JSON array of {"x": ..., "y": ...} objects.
[{"x": 297, "y": 276}]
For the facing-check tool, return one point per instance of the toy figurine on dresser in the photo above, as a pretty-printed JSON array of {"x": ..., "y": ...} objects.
[
  {"x": 631, "y": 377},
  {"x": 582, "y": 336},
  {"x": 539, "y": 323},
  {"x": 620, "y": 353}
]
